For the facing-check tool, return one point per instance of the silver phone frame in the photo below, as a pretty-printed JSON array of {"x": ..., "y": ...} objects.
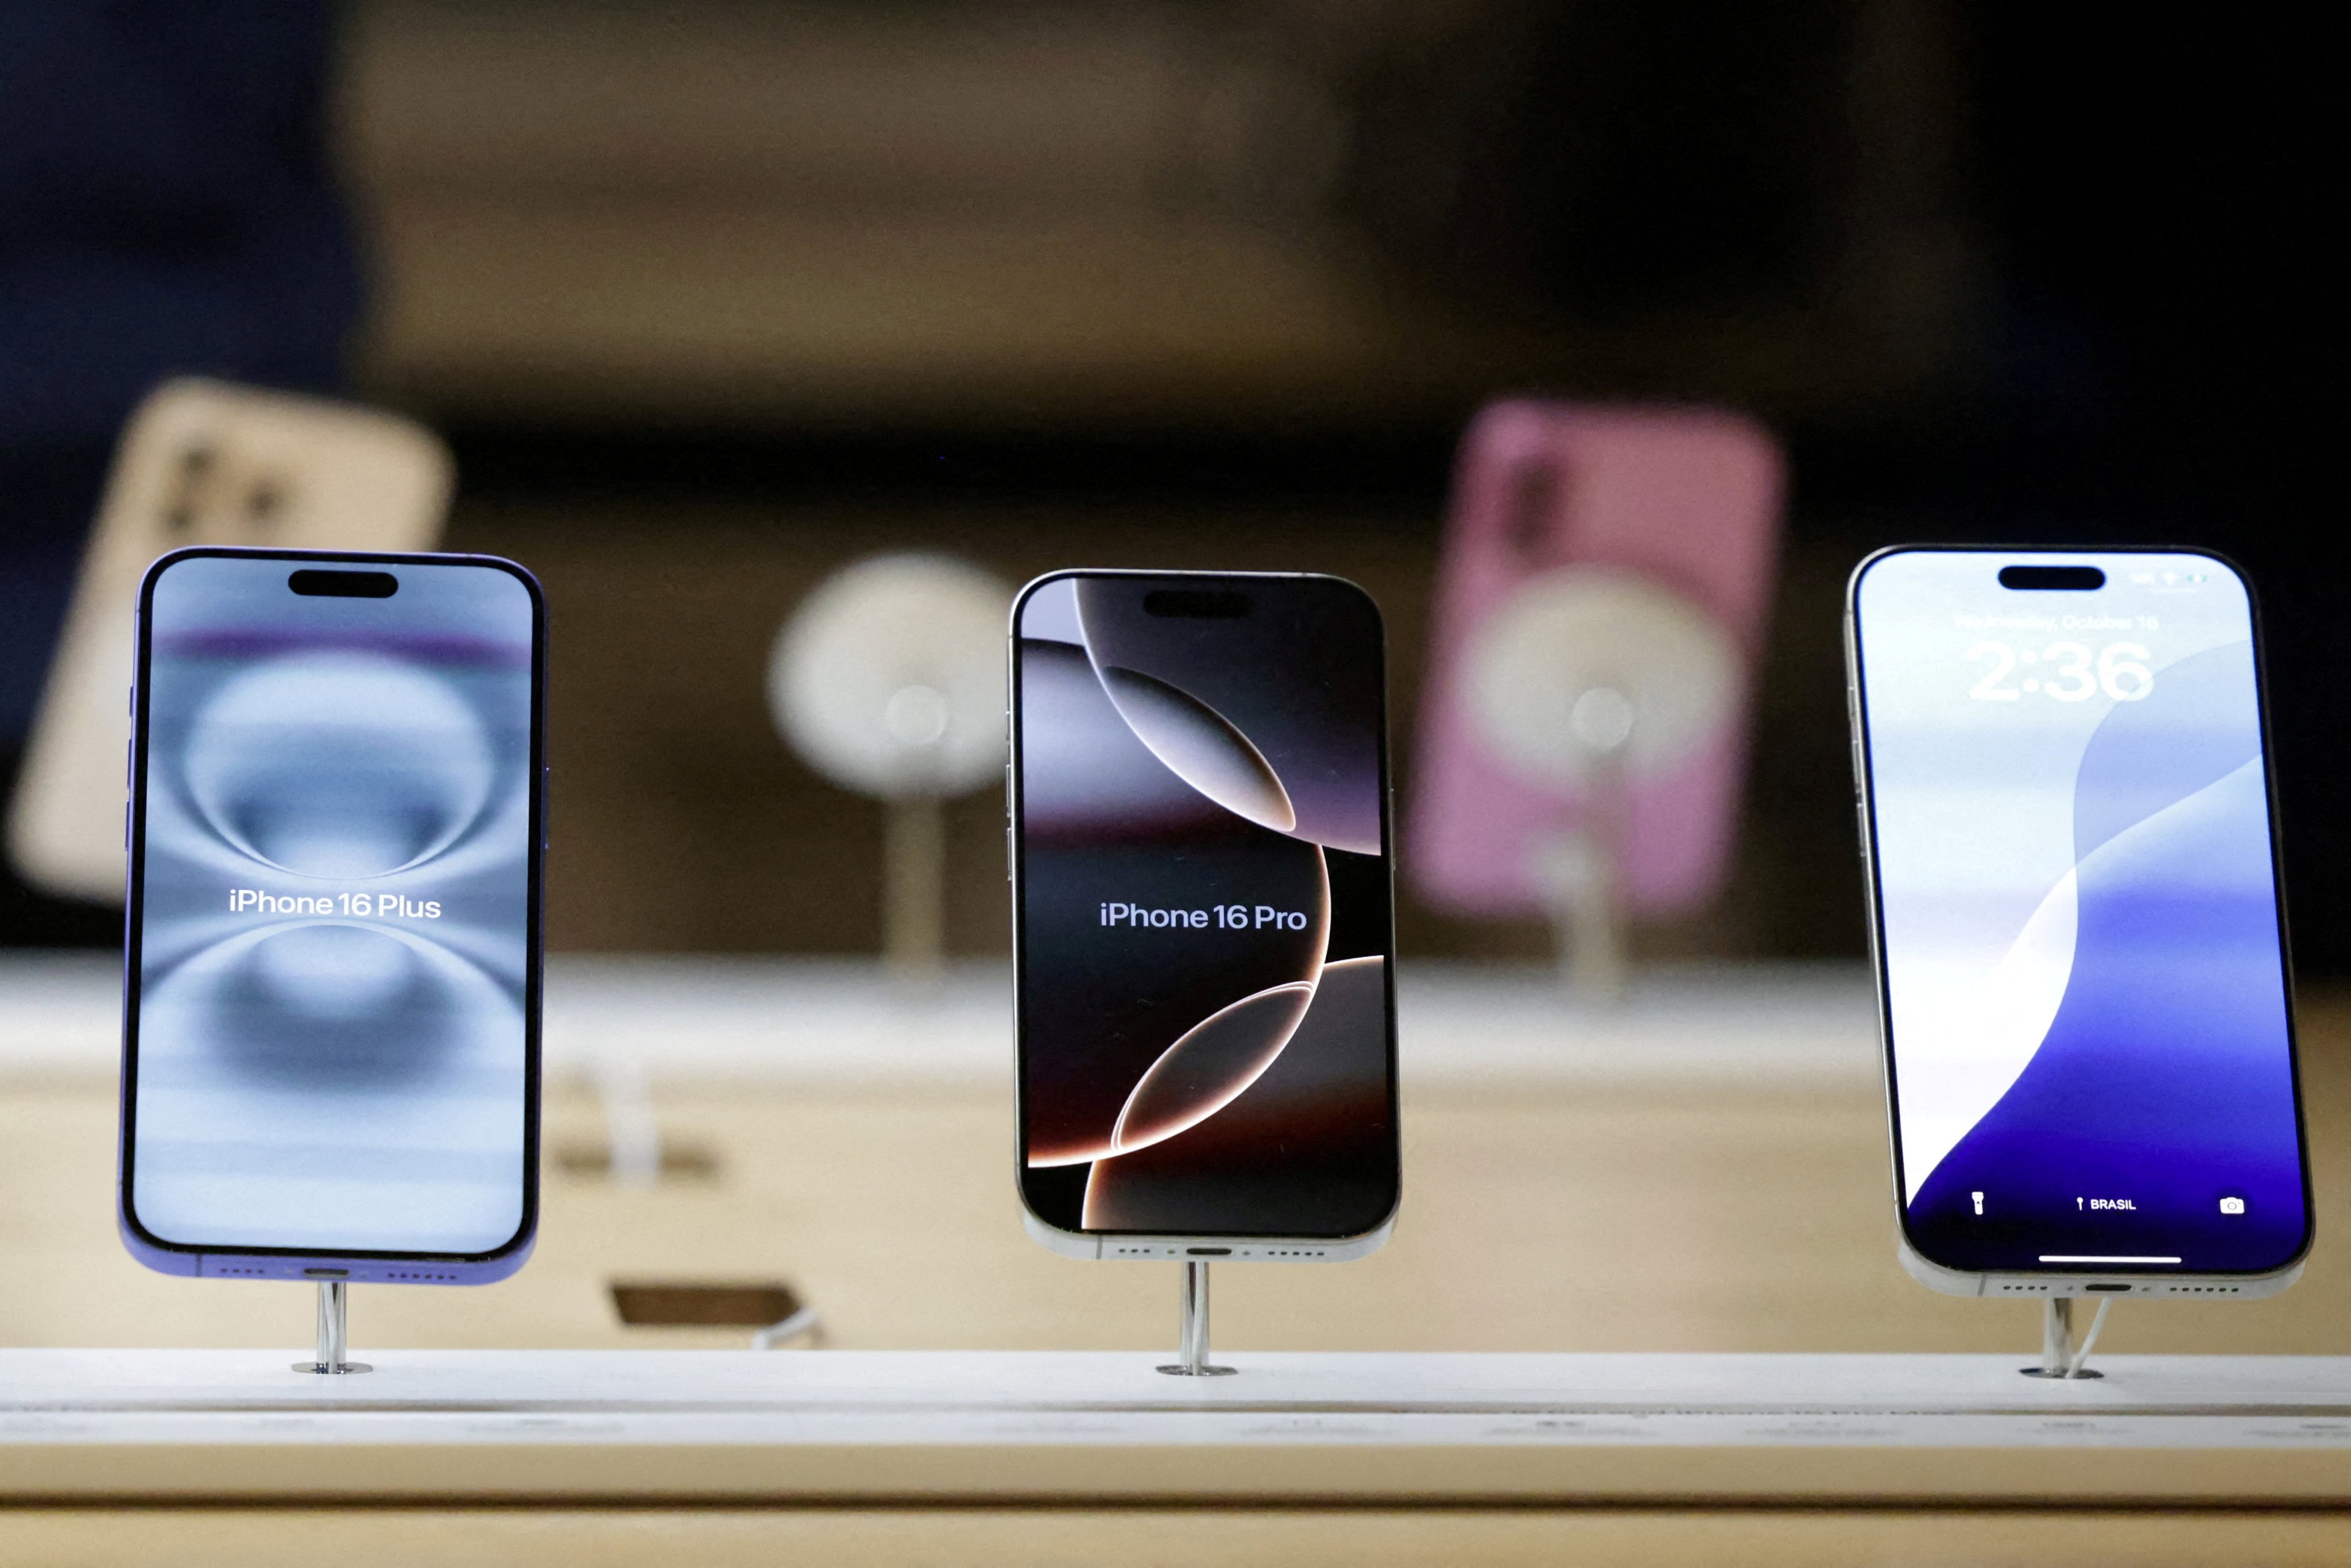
[
  {"x": 1139, "y": 1245},
  {"x": 2043, "y": 1284}
]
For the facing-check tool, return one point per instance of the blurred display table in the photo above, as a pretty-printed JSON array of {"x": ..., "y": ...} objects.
[
  {"x": 863, "y": 1427},
  {"x": 1720, "y": 1142}
]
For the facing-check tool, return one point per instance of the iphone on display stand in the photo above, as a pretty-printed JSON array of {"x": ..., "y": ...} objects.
[
  {"x": 1202, "y": 932},
  {"x": 335, "y": 828},
  {"x": 2066, "y": 810}
]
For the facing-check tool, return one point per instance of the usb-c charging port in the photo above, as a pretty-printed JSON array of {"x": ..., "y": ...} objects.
[
  {"x": 1207, "y": 1251},
  {"x": 2105, "y": 1287},
  {"x": 326, "y": 1274}
]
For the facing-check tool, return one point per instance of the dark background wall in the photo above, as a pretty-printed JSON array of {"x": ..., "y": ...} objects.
[{"x": 712, "y": 298}]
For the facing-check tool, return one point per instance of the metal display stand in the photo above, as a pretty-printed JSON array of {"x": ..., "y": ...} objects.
[
  {"x": 803, "y": 1323},
  {"x": 2058, "y": 1358},
  {"x": 334, "y": 1338},
  {"x": 915, "y": 891},
  {"x": 1194, "y": 1331},
  {"x": 1580, "y": 871}
]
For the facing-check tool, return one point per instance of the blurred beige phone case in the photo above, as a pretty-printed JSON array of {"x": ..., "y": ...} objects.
[{"x": 201, "y": 463}]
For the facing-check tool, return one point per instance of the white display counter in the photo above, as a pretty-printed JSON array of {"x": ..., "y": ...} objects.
[{"x": 870, "y": 1426}]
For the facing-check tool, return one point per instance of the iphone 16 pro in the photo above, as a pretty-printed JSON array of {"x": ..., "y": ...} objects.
[
  {"x": 2066, "y": 809},
  {"x": 330, "y": 1056},
  {"x": 1202, "y": 938}
]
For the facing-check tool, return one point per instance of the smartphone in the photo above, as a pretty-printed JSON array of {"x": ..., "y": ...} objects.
[
  {"x": 2067, "y": 815},
  {"x": 1203, "y": 935},
  {"x": 200, "y": 463},
  {"x": 335, "y": 826},
  {"x": 1549, "y": 497}
]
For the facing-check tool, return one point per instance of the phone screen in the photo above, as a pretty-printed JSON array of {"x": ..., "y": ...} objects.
[
  {"x": 1204, "y": 927},
  {"x": 2078, "y": 917},
  {"x": 333, "y": 906}
]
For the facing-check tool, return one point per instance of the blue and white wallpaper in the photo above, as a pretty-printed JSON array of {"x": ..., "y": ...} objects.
[
  {"x": 2087, "y": 1004},
  {"x": 334, "y": 936}
]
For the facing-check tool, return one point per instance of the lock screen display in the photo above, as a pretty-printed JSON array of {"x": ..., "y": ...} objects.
[
  {"x": 2093, "y": 1060},
  {"x": 1204, "y": 906},
  {"x": 333, "y": 909}
]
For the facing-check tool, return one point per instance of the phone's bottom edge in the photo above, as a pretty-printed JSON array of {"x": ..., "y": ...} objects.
[
  {"x": 311, "y": 1269},
  {"x": 2053, "y": 1285},
  {"x": 1107, "y": 1246}
]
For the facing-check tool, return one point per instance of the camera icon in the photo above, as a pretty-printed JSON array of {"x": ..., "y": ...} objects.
[{"x": 2232, "y": 1205}]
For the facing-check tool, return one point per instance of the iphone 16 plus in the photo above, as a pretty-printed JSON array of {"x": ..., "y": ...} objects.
[
  {"x": 330, "y": 1055},
  {"x": 2066, "y": 808},
  {"x": 1203, "y": 937}
]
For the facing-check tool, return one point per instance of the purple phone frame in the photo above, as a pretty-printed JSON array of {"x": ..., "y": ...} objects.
[{"x": 283, "y": 1263}]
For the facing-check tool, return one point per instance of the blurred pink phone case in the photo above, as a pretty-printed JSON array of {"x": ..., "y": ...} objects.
[{"x": 1689, "y": 499}]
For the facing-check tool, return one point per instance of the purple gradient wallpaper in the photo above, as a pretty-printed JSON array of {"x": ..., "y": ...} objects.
[
  {"x": 1203, "y": 917},
  {"x": 334, "y": 1011},
  {"x": 2085, "y": 987}
]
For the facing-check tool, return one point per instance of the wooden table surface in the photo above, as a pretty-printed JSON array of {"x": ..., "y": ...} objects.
[
  {"x": 1627, "y": 1215},
  {"x": 1658, "y": 1216}
]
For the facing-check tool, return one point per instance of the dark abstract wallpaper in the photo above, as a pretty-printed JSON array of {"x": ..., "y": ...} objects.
[{"x": 1206, "y": 1044}]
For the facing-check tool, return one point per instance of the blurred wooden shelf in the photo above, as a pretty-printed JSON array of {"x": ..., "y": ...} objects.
[
  {"x": 1708, "y": 1176},
  {"x": 865, "y": 1427}
]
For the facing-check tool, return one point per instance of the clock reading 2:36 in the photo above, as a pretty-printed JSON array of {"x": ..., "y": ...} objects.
[{"x": 2074, "y": 673}]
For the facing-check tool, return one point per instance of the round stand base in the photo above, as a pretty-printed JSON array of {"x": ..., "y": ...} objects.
[
  {"x": 1176, "y": 1369},
  {"x": 2043, "y": 1372},
  {"x": 332, "y": 1369}
]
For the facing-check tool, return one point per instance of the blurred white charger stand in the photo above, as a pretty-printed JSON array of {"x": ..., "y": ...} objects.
[
  {"x": 1598, "y": 681},
  {"x": 889, "y": 680}
]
